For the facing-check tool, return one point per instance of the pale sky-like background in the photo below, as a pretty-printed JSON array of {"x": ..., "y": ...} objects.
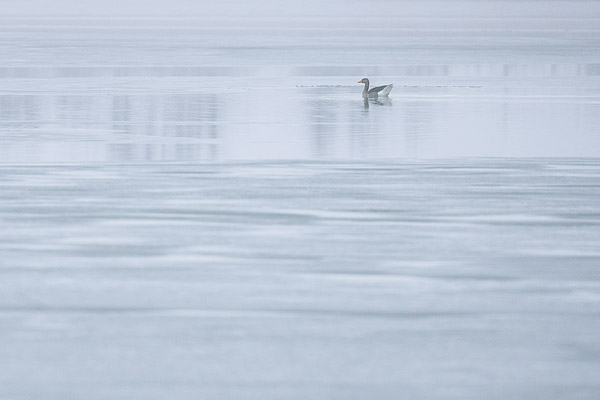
[{"x": 385, "y": 8}]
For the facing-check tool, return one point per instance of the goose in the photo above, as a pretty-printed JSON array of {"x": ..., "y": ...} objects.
[{"x": 376, "y": 91}]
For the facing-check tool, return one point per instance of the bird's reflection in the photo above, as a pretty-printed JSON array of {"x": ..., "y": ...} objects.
[
  {"x": 379, "y": 102},
  {"x": 384, "y": 101}
]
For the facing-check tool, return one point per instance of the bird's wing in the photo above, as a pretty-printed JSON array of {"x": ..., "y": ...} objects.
[{"x": 377, "y": 89}]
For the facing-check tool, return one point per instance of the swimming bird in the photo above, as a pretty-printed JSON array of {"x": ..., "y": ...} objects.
[{"x": 376, "y": 91}]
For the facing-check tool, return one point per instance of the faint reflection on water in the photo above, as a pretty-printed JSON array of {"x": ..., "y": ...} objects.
[
  {"x": 379, "y": 102},
  {"x": 222, "y": 99},
  {"x": 114, "y": 123}
]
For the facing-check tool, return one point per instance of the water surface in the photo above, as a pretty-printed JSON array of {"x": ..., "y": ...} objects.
[{"x": 197, "y": 203}]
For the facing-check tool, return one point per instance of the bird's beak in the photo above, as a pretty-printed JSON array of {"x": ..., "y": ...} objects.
[{"x": 360, "y": 81}]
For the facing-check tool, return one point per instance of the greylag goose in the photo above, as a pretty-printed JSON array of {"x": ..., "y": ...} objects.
[{"x": 376, "y": 91}]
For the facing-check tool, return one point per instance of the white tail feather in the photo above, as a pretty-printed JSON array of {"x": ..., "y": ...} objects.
[{"x": 386, "y": 91}]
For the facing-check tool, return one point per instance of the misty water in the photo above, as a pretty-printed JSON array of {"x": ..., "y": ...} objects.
[{"x": 199, "y": 204}]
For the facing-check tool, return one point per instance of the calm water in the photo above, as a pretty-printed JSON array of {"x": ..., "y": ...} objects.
[{"x": 198, "y": 207}]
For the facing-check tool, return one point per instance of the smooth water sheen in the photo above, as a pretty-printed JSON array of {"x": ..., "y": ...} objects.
[{"x": 196, "y": 203}]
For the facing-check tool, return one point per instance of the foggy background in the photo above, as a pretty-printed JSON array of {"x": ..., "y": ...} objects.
[
  {"x": 196, "y": 202},
  {"x": 462, "y": 9}
]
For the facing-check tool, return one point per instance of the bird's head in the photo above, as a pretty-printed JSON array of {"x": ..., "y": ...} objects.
[{"x": 363, "y": 80}]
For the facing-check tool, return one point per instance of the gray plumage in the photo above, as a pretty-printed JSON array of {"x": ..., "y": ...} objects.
[{"x": 375, "y": 92}]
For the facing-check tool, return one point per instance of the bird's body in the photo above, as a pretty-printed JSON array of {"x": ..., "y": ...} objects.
[{"x": 375, "y": 92}]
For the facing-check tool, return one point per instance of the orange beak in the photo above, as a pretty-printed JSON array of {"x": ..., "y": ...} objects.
[{"x": 361, "y": 81}]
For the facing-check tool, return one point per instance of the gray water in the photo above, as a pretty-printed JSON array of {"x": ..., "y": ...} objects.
[{"x": 196, "y": 202}]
